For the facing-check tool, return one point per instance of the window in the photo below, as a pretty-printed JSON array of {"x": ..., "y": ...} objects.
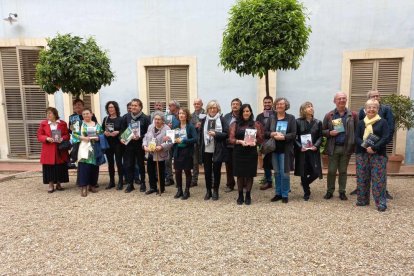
[
  {"x": 25, "y": 102},
  {"x": 166, "y": 84}
]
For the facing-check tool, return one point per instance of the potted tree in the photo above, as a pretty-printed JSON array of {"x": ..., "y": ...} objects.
[{"x": 403, "y": 111}]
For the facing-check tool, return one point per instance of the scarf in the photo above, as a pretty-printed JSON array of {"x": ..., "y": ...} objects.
[
  {"x": 218, "y": 128},
  {"x": 368, "y": 125},
  {"x": 136, "y": 116}
]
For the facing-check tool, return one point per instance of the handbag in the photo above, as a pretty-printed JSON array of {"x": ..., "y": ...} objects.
[
  {"x": 65, "y": 145},
  {"x": 268, "y": 146},
  {"x": 103, "y": 142}
]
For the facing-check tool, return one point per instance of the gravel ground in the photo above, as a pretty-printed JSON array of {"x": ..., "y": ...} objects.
[{"x": 114, "y": 233}]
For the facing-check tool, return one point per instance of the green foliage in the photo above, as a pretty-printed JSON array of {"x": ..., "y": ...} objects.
[
  {"x": 402, "y": 109},
  {"x": 322, "y": 148},
  {"x": 264, "y": 35},
  {"x": 73, "y": 65}
]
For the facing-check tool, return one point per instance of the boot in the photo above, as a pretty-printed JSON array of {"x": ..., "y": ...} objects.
[
  {"x": 248, "y": 200},
  {"x": 215, "y": 194},
  {"x": 186, "y": 194},
  {"x": 120, "y": 185},
  {"x": 208, "y": 195},
  {"x": 92, "y": 189},
  {"x": 179, "y": 192},
  {"x": 142, "y": 188},
  {"x": 240, "y": 199},
  {"x": 129, "y": 188}
]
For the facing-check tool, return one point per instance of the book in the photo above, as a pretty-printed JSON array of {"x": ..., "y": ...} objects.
[
  {"x": 181, "y": 133},
  {"x": 168, "y": 119},
  {"x": 281, "y": 127},
  {"x": 250, "y": 136},
  {"x": 306, "y": 141},
  {"x": 136, "y": 128},
  {"x": 152, "y": 144},
  {"x": 370, "y": 141},
  {"x": 109, "y": 127},
  {"x": 211, "y": 125},
  {"x": 267, "y": 113},
  {"x": 338, "y": 125},
  {"x": 56, "y": 135},
  {"x": 91, "y": 131},
  {"x": 201, "y": 116},
  {"x": 127, "y": 135},
  {"x": 171, "y": 135}
]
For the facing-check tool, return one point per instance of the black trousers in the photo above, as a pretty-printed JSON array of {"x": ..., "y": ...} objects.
[
  {"x": 308, "y": 178},
  {"x": 210, "y": 168},
  {"x": 229, "y": 169},
  {"x": 152, "y": 173},
  {"x": 134, "y": 153},
  {"x": 115, "y": 150}
]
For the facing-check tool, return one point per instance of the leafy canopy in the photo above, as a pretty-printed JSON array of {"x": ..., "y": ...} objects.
[
  {"x": 73, "y": 65},
  {"x": 264, "y": 35},
  {"x": 402, "y": 108}
]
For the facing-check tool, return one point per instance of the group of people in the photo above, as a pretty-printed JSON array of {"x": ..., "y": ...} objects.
[{"x": 182, "y": 140}]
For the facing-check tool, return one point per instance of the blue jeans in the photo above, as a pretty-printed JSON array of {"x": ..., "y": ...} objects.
[{"x": 282, "y": 179}]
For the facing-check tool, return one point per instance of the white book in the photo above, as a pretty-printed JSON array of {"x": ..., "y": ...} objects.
[{"x": 306, "y": 141}]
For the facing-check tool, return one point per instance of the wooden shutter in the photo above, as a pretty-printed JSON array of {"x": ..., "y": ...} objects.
[
  {"x": 362, "y": 80},
  {"x": 25, "y": 101},
  {"x": 157, "y": 86},
  {"x": 179, "y": 85}
]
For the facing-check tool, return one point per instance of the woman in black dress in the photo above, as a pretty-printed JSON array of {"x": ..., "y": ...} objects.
[
  {"x": 245, "y": 133},
  {"x": 112, "y": 126},
  {"x": 183, "y": 153},
  {"x": 307, "y": 156}
]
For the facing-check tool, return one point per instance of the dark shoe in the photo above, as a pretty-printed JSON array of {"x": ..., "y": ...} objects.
[
  {"x": 240, "y": 199},
  {"x": 179, "y": 193},
  {"x": 285, "y": 200},
  {"x": 120, "y": 186},
  {"x": 92, "y": 189},
  {"x": 137, "y": 181},
  {"x": 276, "y": 198},
  {"x": 306, "y": 197},
  {"x": 361, "y": 204},
  {"x": 328, "y": 196},
  {"x": 162, "y": 191},
  {"x": 143, "y": 188},
  {"x": 215, "y": 195},
  {"x": 208, "y": 195},
  {"x": 51, "y": 191},
  {"x": 382, "y": 209},
  {"x": 388, "y": 196},
  {"x": 110, "y": 186},
  {"x": 354, "y": 192},
  {"x": 193, "y": 185},
  {"x": 59, "y": 188},
  {"x": 186, "y": 195},
  {"x": 248, "y": 199},
  {"x": 129, "y": 188},
  {"x": 169, "y": 182},
  {"x": 266, "y": 186},
  {"x": 150, "y": 191},
  {"x": 229, "y": 189},
  {"x": 342, "y": 196}
]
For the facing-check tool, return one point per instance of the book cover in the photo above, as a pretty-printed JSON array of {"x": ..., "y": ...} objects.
[
  {"x": 171, "y": 135},
  {"x": 127, "y": 135},
  {"x": 267, "y": 113},
  {"x": 136, "y": 128},
  {"x": 211, "y": 125},
  {"x": 338, "y": 125},
  {"x": 181, "y": 133},
  {"x": 281, "y": 127},
  {"x": 56, "y": 135},
  {"x": 250, "y": 136},
  {"x": 306, "y": 141},
  {"x": 91, "y": 131},
  {"x": 168, "y": 119},
  {"x": 109, "y": 127},
  {"x": 370, "y": 141}
]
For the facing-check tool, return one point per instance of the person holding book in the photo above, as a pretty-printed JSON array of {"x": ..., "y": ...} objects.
[
  {"x": 230, "y": 118},
  {"x": 185, "y": 138},
  {"x": 384, "y": 112},
  {"x": 212, "y": 139},
  {"x": 308, "y": 140},
  {"x": 133, "y": 128},
  {"x": 282, "y": 128},
  {"x": 267, "y": 159},
  {"x": 136, "y": 172},
  {"x": 51, "y": 133},
  {"x": 372, "y": 136},
  {"x": 111, "y": 125},
  {"x": 154, "y": 144},
  {"x": 245, "y": 134},
  {"x": 339, "y": 127},
  {"x": 196, "y": 116},
  {"x": 173, "y": 122},
  {"x": 89, "y": 156}
]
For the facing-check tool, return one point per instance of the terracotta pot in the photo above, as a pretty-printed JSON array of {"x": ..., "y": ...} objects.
[
  {"x": 325, "y": 161},
  {"x": 394, "y": 163}
]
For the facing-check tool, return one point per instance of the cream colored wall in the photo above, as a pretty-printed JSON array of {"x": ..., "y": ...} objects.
[
  {"x": 191, "y": 62},
  {"x": 261, "y": 90},
  {"x": 22, "y": 42},
  {"x": 68, "y": 108},
  {"x": 405, "y": 82}
]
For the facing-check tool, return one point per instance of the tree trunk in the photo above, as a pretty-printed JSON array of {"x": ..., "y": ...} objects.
[{"x": 267, "y": 83}]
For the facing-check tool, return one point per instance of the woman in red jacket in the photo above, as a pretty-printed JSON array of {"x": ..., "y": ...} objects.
[{"x": 51, "y": 133}]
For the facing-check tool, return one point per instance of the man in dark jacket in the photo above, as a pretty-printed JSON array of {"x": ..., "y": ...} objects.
[
  {"x": 384, "y": 112},
  {"x": 134, "y": 150},
  {"x": 198, "y": 114},
  {"x": 339, "y": 127},
  {"x": 230, "y": 118}
]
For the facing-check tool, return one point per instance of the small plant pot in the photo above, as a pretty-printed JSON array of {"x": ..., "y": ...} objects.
[
  {"x": 325, "y": 161},
  {"x": 394, "y": 163}
]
